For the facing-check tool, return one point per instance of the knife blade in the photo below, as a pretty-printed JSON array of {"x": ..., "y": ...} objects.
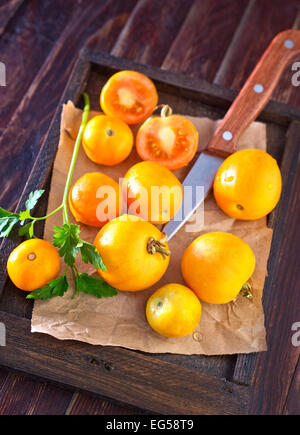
[
  {"x": 202, "y": 175},
  {"x": 248, "y": 104}
]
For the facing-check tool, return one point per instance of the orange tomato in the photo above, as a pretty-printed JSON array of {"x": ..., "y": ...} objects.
[
  {"x": 107, "y": 140},
  {"x": 173, "y": 310},
  {"x": 152, "y": 191},
  {"x": 94, "y": 199},
  {"x": 247, "y": 185},
  {"x": 171, "y": 141},
  {"x": 216, "y": 266},
  {"x": 130, "y": 96},
  {"x": 33, "y": 264},
  {"x": 134, "y": 253}
]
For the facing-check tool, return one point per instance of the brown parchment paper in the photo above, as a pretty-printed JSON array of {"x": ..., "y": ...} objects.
[{"x": 237, "y": 327}]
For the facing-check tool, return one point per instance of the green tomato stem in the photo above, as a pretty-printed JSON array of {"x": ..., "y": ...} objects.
[{"x": 246, "y": 291}]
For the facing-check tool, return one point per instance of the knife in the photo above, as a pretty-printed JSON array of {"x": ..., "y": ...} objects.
[{"x": 246, "y": 107}]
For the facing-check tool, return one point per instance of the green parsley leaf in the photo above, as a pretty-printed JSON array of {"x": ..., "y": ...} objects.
[
  {"x": 27, "y": 230},
  {"x": 95, "y": 286},
  {"x": 67, "y": 239},
  {"x": 90, "y": 254},
  {"x": 5, "y": 213},
  {"x": 7, "y": 221},
  {"x": 56, "y": 287},
  {"x": 33, "y": 199},
  {"x": 24, "y": 215}
]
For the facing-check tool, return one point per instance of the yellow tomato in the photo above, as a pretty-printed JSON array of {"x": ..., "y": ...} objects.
[
  {"x": 33, "y": 264},
  {"x": 152, "y": 191},
  {"x": 216, "y": 266},
  {"x": 107, "y": 140},
  {"x": 94, "y": 199},
  {"x": 173, "y": 310},
  {"x": 130, "y": 96},
  {"x": 134, "y": 253},
  {"x": 247, "y": 185},
  {"x": 171, "y": 141}
]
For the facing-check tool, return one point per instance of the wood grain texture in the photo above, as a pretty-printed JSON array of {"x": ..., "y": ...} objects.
[
  {"x": 37, "y": 25},
  {"x": 31, "y": 120},
  {"x": 21, "y": 395},
  {"x": 150, "y": 30},
  {"x": 88, "y": 404},
  {"x": 292, "y": 404},
  {"x": 8, "y": 8},
  {"x": 162, "y": 387},
  {"x": 273, "y": 376},
  {"x": 3, "y": 375},
  {"x": 204, "y": 37},
  {"x": 262, "y": 20}
]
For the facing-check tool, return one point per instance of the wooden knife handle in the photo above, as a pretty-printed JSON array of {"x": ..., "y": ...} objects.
[{"x": 255, "y": 93}]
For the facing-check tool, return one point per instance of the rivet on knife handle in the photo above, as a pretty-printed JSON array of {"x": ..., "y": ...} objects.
[{"x": 255, "y": 93}]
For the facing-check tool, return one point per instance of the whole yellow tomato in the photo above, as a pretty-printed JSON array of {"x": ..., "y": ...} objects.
[
  {"x": 94, "y": 199},
  {"x": 33, "y": 264},
  {"x": 216, "y": 266},
  {"x": 247, "y": 185},
  {"x": 173, "y": 310},
  {"x": 152, "y": 191},
  {"x": 107, "y": 140},
  {"x": 134, "y": 253}
]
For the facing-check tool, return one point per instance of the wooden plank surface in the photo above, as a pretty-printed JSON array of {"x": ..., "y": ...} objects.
[
  {"x": 291, "y": 406},
  {"x": 37, "y": 25},
  {"x": 198, "y": 48},
  {"x": 22, "y": 395},
  {"x": 262, "y": 20},
  {"x": 150, "y": 30},
  {"x": 36, "y": 84},
  {"x": 163, "y": 388},
  {"x": 8, "y": 8},
  {"x": 281, "y": 302},
  {"x": 87, "y": 404}
]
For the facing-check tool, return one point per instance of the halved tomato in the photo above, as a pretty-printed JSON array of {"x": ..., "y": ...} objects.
[
  {"x": 170, "y": 140},
  {"x": 130, "y": 96}
]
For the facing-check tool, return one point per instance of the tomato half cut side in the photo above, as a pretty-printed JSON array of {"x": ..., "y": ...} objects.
[
  {"x": 171, "y": 141},
  {"x": 130, "y": 96}
]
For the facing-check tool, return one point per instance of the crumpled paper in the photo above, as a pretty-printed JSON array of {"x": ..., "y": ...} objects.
[{"x": 236, "y": 327}]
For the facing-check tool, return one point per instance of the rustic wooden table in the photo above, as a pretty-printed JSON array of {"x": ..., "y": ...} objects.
[{"x": 218, "y": 40}]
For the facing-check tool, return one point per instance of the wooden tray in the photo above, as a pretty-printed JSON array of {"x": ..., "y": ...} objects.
[{"x": 162, "y": 383}]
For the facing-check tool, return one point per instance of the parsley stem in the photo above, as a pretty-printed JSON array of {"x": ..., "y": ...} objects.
[
  {"x": 64, "y": 205},
  {"x": 84, "y": 120},
  {"x": 48, "y": 215}
]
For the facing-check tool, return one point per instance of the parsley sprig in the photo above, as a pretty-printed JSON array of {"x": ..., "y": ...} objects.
[
  {"x": 66, "y": 238},
  {"x": 8, "y": 220}
]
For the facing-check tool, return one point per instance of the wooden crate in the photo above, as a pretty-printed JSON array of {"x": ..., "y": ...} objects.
[{"x": 162, "y": 383}]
